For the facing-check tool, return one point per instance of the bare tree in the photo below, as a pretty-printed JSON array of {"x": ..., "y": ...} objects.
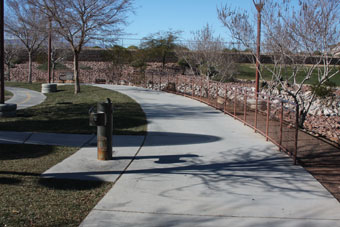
[
  {"x": 292, "y": 36},
  {"x": 58, "y": 55},
  {"x": 25, "y": 22},
  {"x": 78, "y": 22},
  {"x": 206, "y": 55},
  {"x": 10, "y": 54}
]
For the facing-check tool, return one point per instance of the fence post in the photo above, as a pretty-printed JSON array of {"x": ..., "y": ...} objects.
[
  {"x": 208, "y": 96},
  {"x": 192, "y": 87},
  {"x": 176, "y": 84},
  {"x": 217, "y": 86},
  {"x": 296, "y": 131},
  {"x": 225, "y": 98},
  {"x": 168, "y": 79},
  {"x": 160, "y": 82},
  {"x": 235, "y": 93},
  {"x": 267, "y": 120},
  {"x": 245, "y": 107},
  {"x": 256, "y": 106},
  {"x": 281, "y": 125},
  {"x": 152, "y": 81},
  {"x": 201, "y": 89}
]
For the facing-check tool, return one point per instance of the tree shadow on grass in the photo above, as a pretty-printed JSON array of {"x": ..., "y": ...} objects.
[
  {"x": 72, "y": 118},
  {"x": 52, "y": 183},
  {"x": 9, "y": 180},
  {"x": 23, "y": 151},
  {"x": 69, "y": 184}
]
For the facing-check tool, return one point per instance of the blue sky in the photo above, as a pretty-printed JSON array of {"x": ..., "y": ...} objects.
[{"x": 152, "y": 16}]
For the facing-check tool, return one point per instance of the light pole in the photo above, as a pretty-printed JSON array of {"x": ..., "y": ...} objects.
[{"x": 259, "y": 6}]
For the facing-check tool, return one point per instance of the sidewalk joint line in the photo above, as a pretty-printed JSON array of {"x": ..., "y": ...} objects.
[
  {"x": 133, "y": 158},
  {"x": 28, "y": 137},
  {"x": 88, "y": 141}
]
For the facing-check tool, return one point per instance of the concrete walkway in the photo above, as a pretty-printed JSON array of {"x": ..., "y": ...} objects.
[
  {"x": 25, "y": 98},
  {"x": 199, "y": 167}
]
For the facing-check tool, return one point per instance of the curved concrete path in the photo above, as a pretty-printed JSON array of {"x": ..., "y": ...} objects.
[
  {"x": 25, "y": 98},
  {"x": 199, "y": 167}
]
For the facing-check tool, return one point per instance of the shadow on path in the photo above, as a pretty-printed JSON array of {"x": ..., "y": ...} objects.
[{"x": 240, "y": 168}]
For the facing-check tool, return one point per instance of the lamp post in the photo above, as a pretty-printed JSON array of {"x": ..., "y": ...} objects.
[{"x": 259, "y": 6}]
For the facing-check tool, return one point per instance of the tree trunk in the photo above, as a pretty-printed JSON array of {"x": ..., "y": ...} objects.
[
  {"x": 30, "y": 67},
  {"x": 76, "y": 72},
  {"x": 163, "y": 61},
  {"x": 52, "y": 71},
  {"x": 9, "y": 72},
  {"x": 302, "y": 118}
]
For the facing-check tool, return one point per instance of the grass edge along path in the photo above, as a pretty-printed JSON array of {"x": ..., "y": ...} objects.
[
  {"x": 28, "y": 200},
  {"x": 8, "y": 95},
  {"x": 65, "y": 112}
]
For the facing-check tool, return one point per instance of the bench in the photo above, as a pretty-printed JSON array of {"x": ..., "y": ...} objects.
[{"x": 66, "y": 77}]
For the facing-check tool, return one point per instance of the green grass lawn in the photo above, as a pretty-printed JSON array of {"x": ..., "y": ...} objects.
[
  {"x": 247, "y": 72},
  {"x": 64, "y": 112},
  {"x": 8, "y": 95},
  {"x": 28, "y": 200}
]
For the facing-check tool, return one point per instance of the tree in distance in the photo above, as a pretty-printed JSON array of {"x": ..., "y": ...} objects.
[
  {"x": 292, "y": 36},
  {"x": 160, "y": 45},
  {"x": 79, "y": 22},
  {"x": 205, "y": 55},
  {"x": 25, "y": 22}
]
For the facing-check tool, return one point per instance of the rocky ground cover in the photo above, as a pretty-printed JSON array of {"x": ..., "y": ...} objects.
[{"x": 323, "y": 121}]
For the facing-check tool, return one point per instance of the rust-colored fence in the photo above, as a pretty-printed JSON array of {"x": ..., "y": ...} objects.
[{"x": 274, "y": 118}]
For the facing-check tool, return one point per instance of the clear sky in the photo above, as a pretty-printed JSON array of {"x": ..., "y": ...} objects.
[{"x": 152, "y": 16}]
